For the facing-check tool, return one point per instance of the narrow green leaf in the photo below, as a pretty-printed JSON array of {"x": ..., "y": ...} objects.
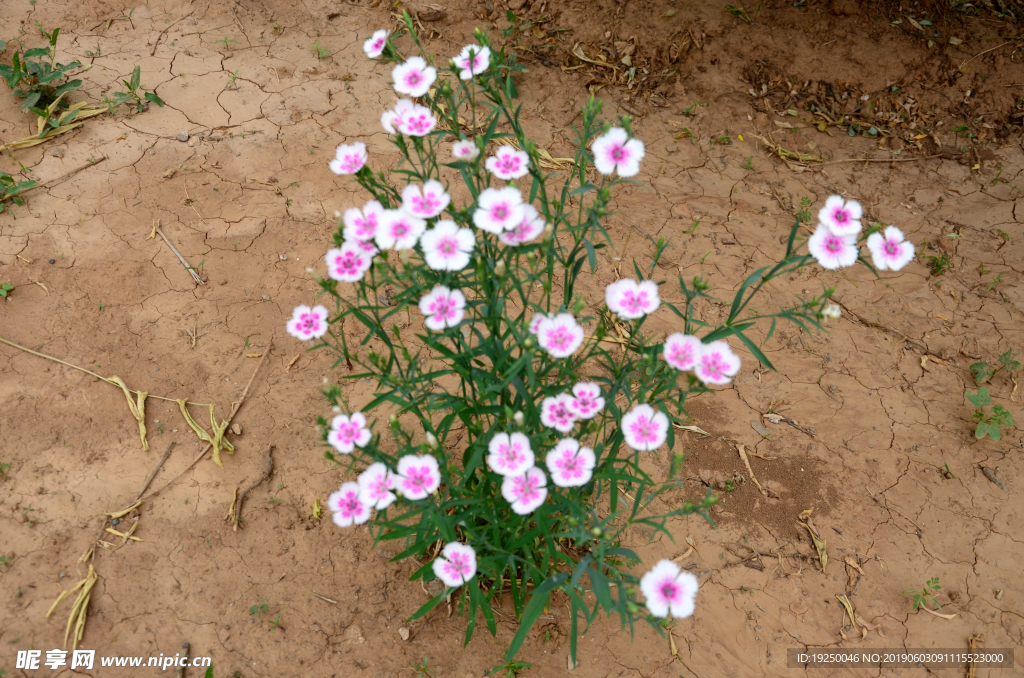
[{"x": 534, "y": 608}]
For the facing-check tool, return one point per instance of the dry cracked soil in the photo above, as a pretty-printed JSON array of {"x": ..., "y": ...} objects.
[{"x": 913, "y": 110}]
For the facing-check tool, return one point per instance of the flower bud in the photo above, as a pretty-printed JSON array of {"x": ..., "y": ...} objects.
[
  {"x": 631, "y": 607},
  {"x": 393, "y": 420},
  {"x": 528, "y": 342},
  {"x": 577, "y": 307},
  {"x": 326, "y": 382},
  {"x": 431, "y": 440},
  {"x": 597, "y": 532},
  {"x": 546, "y": 233},
  {"x": 518, "y": 418},
  {"x": 336, "y": 409},
  {"x": 573, "y": 521},
  {"x": 499, "y": 268}
]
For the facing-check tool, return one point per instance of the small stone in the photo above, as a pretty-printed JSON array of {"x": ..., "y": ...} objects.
[
  {"x": 404, "y": 633},
  {"x": 115, "y": 521},
  {"x": 63, "y": 574},
  {"x": 265, "y": 297},
  {"x": 236, "y": 429},
  {"x": 672, "y": 148},
  {"x": 52, "y": 261},
  {"x": 182, "y": 136}
]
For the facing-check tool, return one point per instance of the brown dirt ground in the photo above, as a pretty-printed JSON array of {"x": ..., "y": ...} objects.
[{"x": 249, "y": 195}]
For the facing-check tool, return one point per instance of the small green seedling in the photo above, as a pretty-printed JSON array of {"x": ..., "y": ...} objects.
[
  {"x": 259, "y": 609},
  {"x": 804, "y": 213},
  {"x": 422, "y": 668},
  {"x": 742, "y": 13},
  {"x": 510, "y": 668},
  {"x": 231, "y": 83},
  {"x": 6, "y": 560},
  {"x": 926, "y": 593},
  {"x": 938, "y": 264},
  {"x": 5, "y": 290},
  {"x": 995, "y": 281},
  {"x": 225, "y": 41},
  {"x": 983, "y": 371},
  {"x": 132, "y": 95},
  {"x": 990, "y": 425},
  {"x": 321, "y": 52}
]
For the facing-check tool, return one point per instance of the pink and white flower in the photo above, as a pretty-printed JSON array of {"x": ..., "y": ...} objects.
[
  {"x": 414, "y": 77},
  {"x": 362, "y": 224},
  {"x": 308, "y": 323},
  {"x": 644, "y": 428},
  {"x": 832, "y": 251},
  {"x": 536, "y": 320},
  {"x": 399, "y": 230},
  {"x": 442, "y": 307},
  {"x": 446, "y": 247},
  {"x": 425, "y": 201},
  {"x": 349, "y": 263},
  {"x": 667, "y": 588},
  {"x": 841, "y": 216},
  {"x": 616, "y": 152},
  {"x": 392, "y": 120},
  {"x": 631, "y": 299},
  {"x": 466, "y": 150},
  {"x": 417, "y": 476},
  {"x": 374, "y": 47},
  {"x": 348, "y": 506},
  {"x": 347, "y": 433},
  {"x": 349, "y": 158},
  {"x": 570, "y": 465},
  {"x": 473, "y": 60},
  {"x": 416, "y": 122},
  {"x": 529, "y": 228},
  {"x": 586, "y": 401},
  {"x": 525, "y": 492},
  {"x": 682, "y": 351},
  {"x": 557, "y": 413},
  {"x": 507, "y": 163},
  {"x": 717, "y": 363},
  {"x": 890, "y": 251},
  {"x": 509, "y": 454},
  {"x": 376, "y": 483},
  {"x": 560, "y": 336},
  {"x": 456, "y": 565},
  {"x": 499, "y": 209}
]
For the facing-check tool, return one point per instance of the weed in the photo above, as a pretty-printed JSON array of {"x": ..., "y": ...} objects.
[
  {"x": 25, "y": 510},
  {"x": 5, "y": 290},
  {"x": 3, "y": 469},
  {"x": 40, "y": 81},
  {"x": 321, "y": 52},
  {"x": 693, "y": 229},
  {"x": 231, "y": 83},
  {"x": 692, "y": 107},
  {"x": 423, "y": 668},
  {"x": 990, "y": 425},
  {"x": 804, "y": 213},
  {"x": 749, "y": 165},
  {"x": 132, "y": 95},
  {"x": 963, "y": 131},
  {"x": 721, "y": 140},
  {"x": 983, "y": 371},
  {"x": 995, "y": 281},
  {"x": 225, "y": 41},
  {"x": 98, "y": 52},
  {"x": 6, "y": 561},
  {"x": 742, "y": 13},
  {"x": 925, "y": 594},
  {"x": 258, "y": 610},
  {"x": 1003, "y": 234},
  {"x": 511, "y": 669},
  {"x": 947, "y": 472},
  {"x": 937, "y": 264}
]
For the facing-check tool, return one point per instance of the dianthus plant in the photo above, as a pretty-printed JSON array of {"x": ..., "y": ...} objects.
[{"x": 512, "y": 462}]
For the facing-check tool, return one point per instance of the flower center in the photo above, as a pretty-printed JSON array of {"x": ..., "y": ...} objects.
[
  {"x": 669, "y": 590},
  {"x": 448, "y": 246},
  {"x": 401, "y": 229},
  {"x": 834, "y": 245},
  {"x": 891, "y": 248},
  {"x": 500, "y": 212},
  {"x": 618, "y": 154},
  {"x": 414, "y": 78},
  {"x": 841, "y": 216}
]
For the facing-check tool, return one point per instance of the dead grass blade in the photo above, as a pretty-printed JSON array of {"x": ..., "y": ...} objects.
[
  {"x": 746, "y": 462},
  {"x": 77, "y": 617},
  {"x": 819, "y": 543}
]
